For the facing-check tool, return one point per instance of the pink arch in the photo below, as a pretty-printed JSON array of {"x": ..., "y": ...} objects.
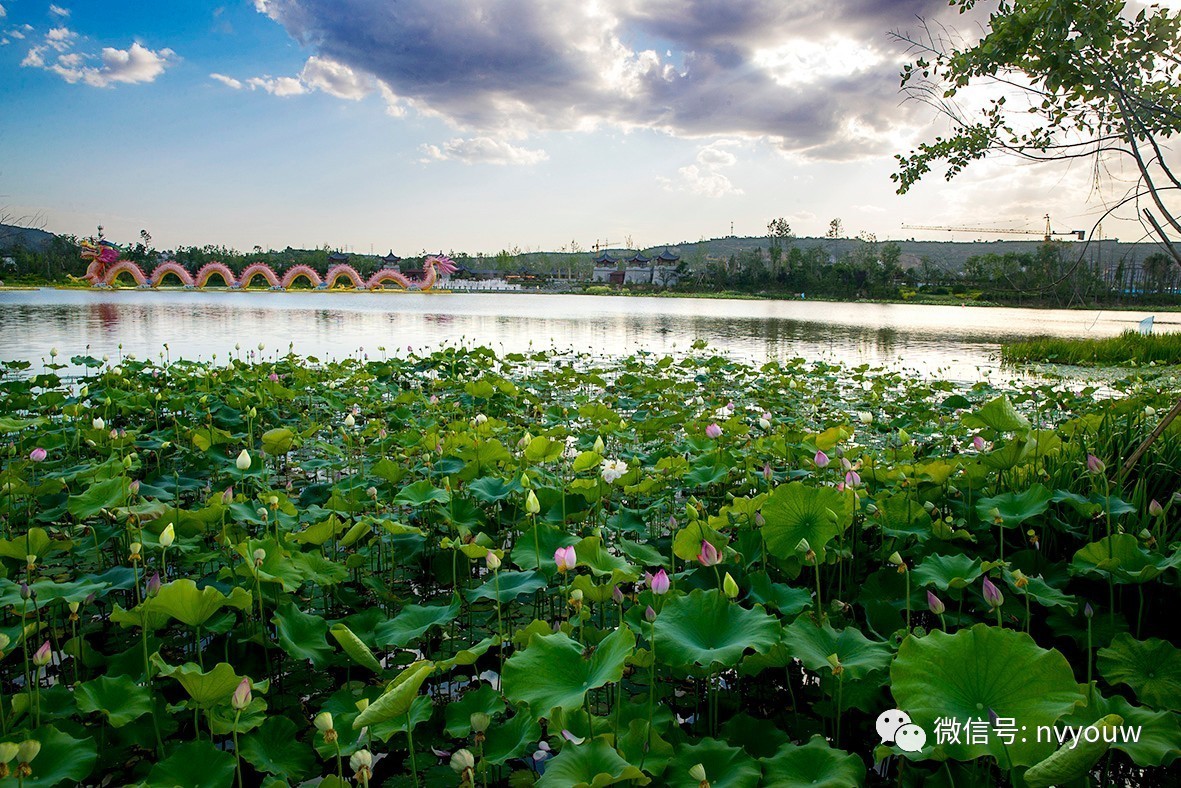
[
  {"x": 171, "y": 267},
  {"x": 209, "y": 269},
  {"x": 301, "y": 270},
  {"x": 345, "y": 270},
  {"x": 258, "y": 269},
  {"x": 125, "y": 266},
  {"x": 387, "y": 275}
]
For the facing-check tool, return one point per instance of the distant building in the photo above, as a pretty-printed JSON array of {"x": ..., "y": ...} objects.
[
  {"x": 337, "y": 257},
  {"x": 605, "y": 267},
  {"x": 639, "y": 269},
  {"x": 391, "y": 261}
]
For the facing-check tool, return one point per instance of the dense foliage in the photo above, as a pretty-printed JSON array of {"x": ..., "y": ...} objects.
[{"x": 686, "y": 570}]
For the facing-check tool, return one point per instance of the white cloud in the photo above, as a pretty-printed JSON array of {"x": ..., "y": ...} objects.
[
  {"x": 483, "y": 150},
  {"x": 136, "y": 64},
  {"x": 61, "y": 38},
  {"x": 278, "y": 86},
  {"x": 57, "y": 10},
  {"x": 335, "y": 79},
  {"x": 227, "y": 81},
  {"x": 3, "y": 13},
  {"x": 705, "y": 177}
]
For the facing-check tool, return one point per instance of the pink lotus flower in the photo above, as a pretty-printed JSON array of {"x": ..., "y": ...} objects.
[
  {"x": 1095, "y": 465},
  {"x": 978, "y": 442},
  {"x": 852, "y": 479},
  {"x": 992, "y": 594},
  {"x": 274, "y": 377},
  {"x": 713, "y": 431},
  {"x": 649, "y": 614},
  {"x": 154, "y": 584},
  {"x": 935, "y": 603},
  {"x": 241, "y": 698},
  {"x": 1155, "y": 509},
  {"x": 821, "y": 459},
  {"x": 658, "y": 582},
  {"x": 709, "y": 555},
  {"x": 227, "y": 496},
  {"x": 768, "y": 473},
  {"x": 565, "y": 558},
  {"x": 43, "y": 655},
  {"x": 38, "y": 454}
]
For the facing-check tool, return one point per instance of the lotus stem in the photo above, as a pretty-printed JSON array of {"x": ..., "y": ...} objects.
[
  {"x": 237, "y": 752},
  {"x": 410, "y": 743}
]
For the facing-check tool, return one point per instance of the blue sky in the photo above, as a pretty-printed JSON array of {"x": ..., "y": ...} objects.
[{"x": 477, "y": 125}]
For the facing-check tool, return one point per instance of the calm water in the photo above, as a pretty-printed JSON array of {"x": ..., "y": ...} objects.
[{"x": 957, "y": 342}]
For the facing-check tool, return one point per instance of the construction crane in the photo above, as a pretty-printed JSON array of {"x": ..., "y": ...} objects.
[
  {"x": 604, "y": 245},
  {"x": 1048, "y": 234}
]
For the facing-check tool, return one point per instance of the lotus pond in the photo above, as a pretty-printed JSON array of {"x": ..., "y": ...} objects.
[{"x": 471, "y": 568}]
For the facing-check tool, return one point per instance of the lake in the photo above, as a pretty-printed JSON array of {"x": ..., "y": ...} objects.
[{"x": 957, "y": 342}]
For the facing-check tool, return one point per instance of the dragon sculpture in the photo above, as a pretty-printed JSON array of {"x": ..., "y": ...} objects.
[{"x": 105, "y": 268}]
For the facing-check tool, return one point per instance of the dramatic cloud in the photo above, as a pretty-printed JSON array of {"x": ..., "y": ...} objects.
[
  {"x": 820, "y": 78},
  {"x": 483, "y": 150},
  {"x": 705, "y": 178},
  {"x": 318, "y": 73}
]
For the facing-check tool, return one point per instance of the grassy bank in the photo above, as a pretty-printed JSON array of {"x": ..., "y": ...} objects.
[{"x": 1127, "y": 348}]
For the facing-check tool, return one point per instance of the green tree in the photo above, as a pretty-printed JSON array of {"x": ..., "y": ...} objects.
[{"x": 1102, "y": 85}]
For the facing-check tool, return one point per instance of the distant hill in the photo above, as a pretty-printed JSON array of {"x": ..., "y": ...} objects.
[{"x": 12, "y": 237}]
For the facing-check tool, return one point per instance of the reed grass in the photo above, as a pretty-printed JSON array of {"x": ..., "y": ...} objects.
[{"x": 1129, "y": 348}]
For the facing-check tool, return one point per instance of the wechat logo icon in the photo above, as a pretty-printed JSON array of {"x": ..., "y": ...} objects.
[{"x": 895, "y": 728}]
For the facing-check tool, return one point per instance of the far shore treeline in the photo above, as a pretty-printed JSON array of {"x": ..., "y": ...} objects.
[{"x": 1028, "y": 273}]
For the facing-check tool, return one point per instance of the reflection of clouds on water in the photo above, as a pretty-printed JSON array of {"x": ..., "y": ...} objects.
[{"x": 951, "y": 341}]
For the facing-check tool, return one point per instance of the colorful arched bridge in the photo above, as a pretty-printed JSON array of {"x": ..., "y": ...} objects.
[{"x": 106, "y": 268}]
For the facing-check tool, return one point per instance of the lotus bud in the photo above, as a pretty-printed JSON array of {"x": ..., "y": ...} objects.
[
  {"x": 599, "y": 446},
  {"x": 532, "y": 505},
  {"x": 992, "y": 594},
  {"x": 98, "y": 423},
  {"x": 462, "y": 761},
  {"x": 241, "y": 698},
  {"x": 802, "y": 546},
  {"x": 649, "y": 614},
  {"x": 565, "y": 558},
  {"x": 135, "y": 556},
  {"x": 896, "y": 559},
  {"x": 821, "y": 459},
  {"x": 243, "y": 461},
  {"x": 350, "y": 421},
  {"x": 43, "y": 656},
  {"x": 38, "y": 454},
  {"x": 154, "y": 584},
  {"x": 709, "y": 556},
  {"x": 659, "y": 582},
  {"x": 713, "y": 431},
  {"x": 1095, "y": 465},
  {"x": 691, "y": 512},
  {"x": 935, "y": 603},
  {"x": 1019, "y": 579},
  {"x": 252, "y": 413},
  {"x": 26, "y": 592},
  {"x": 730, "y": 586},
  {"x": 1155, "y": 509},
  {"x": 492, "y": 561},
  {"x": 617, "y": 595},
  {"x": 167, "y": 536},
  {"x": 1088, "y": 611},
  {"x": 852, "y": 479}
]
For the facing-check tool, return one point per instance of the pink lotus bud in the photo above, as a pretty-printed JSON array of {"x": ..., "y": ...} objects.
[
  {"x": 659, "y": 582},
  {"x": 852, "y": 479},
  {"x": 617, "y": 595},
  {"x": 154, "y": 584},
  {"x": 241, "y": 698},
  {"x": 434, "y": 399},
  {"x": 768, "y": 474},
  {"x": 38, "y": 454},
  {"x": 273, "y": 377},
  {"x": 134, "y": 487},
  {"x": 1088, "y": 611},
  {"x": 978, "y": 443},
  {"x": 565, "y": 558},
  {"x": 935, "y": 603},
  {"x": 709, "y": 555},
  {"x": 649, "y": 614},
  {"x": 1155, "y": 509},
  {"x": 1095, "y": 465},
  {"x": 821, "y": 459},
  {"x": 992, "y": 594},
  {"x": 43, "y": 656},
  {"x": 713, "y": 431},
  {"x": 227, "y": 496},
  {"x": 845, "y": 464}
]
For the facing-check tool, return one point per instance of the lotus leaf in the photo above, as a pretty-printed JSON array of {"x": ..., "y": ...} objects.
[
  {"x": 181, "y": 600},
  {"x": 275, "y": 748},
  {"x": 206, "y": 688},
  {"x": 302, "y": 635},
  {"x": 552, "y": 672},
  {"x": 413, "y": 621},
  {"x": 725, "y": 766},
  {"x": 978, "y": 669},
  {"x": 1015, "y": 508},
  {"x": 795, "y": 511},
  {"x": 815, "y": 763},
  {"x": 1122, "y": 557},
  {"x": 594, "y": 764},
  {"x": 1152, "y": 668},
  {"x": 398, "y": 697},
  {"x": 947, "y": 571},
  {"x": 119, "y": 698},
  {"x": 196, "y": 763},
  {"x": 354, "y": 647},
  {"x": 812, "y": 645},
  {"x": 705, "y": 628},
  {"x": 508, "y": 586}
]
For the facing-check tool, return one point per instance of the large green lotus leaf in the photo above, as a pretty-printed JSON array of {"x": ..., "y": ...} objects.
[
  {"x": 1159, "y": 739},
  {"x": 1080, "y": 503},
  {"x": 541, "y": 449},
  {"x": 1152, "y": 668},
  {"x": 319, "y": 533},
  {"x": 509, "y": 739},
  {"x": 491, "y": 489},
  {"x": 999, "y": 414},
  {"x": 413, "y": 621},
  {"x": 511, "y": 586},
  {"x": 552, "y": 672},
  {"x": 459, "y": 713},
  {"x": 275, "y": 748},
  {"x": 756, "y": 736},
  {"x": 302, "y": 635},
  {"x": 963, "y": 676},
  {"x": 421, "y": 709},
  {"x": 278, "y": 441},
  {"x": 1121, "y": 557},
  {"x": 706, "y": 628},
  {"x": 1044, "y": 593},
  {"x": 725, "y": 766},
  {"x": 34, "y": 542},
  {"x": 62, "y": 760},
  {"x": 421, "y": 493},
  {"x": 594, "y": 764},
  {"x": 787, "y": 600},
  {"x": 641, "y": 744},
  {"x": 395, "y": 702},
  {"x": 1015, "y": 508},
  {"x": 181, "y": 600},
  {"x": 354, "y": 647},
  {"x": 206, "y": 688},
  {"x": 48, "y": 591},
  {"x": 198, "y": 764},
  {"x": 119, "y": 698},
  {"x": 947, "y": 571},
  {"x": 469, "y": 655},
  {"x": 1009, "y": 454},
  {"x": 107, "y": 494},
  {"x": 795, "y": 511},
  {"x": 592, "y": 553},
  {"x": 814, "y": 763},
  {"x": 812, "y": 645}
]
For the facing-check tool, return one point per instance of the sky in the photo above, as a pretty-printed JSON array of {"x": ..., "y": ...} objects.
[{"x": 481, "y": 125}]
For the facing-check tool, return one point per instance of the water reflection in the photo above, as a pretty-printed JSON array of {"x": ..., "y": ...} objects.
[{"x": 959, "y": 342}]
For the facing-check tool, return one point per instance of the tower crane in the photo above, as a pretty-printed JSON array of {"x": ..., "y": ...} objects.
[{"x": 1048, "y": 234}]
